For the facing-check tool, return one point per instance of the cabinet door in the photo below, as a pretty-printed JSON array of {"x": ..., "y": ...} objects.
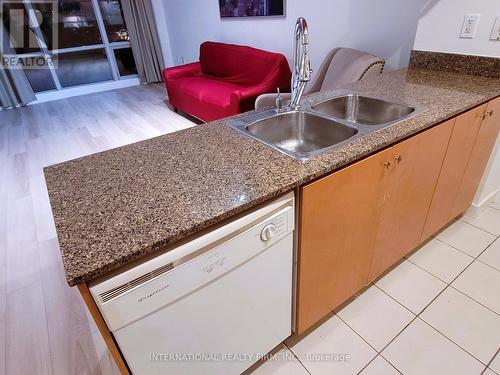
[
  {"x": 414, "y": 174},
  {"x": 455, "y": 162},
  {"x": 338, "y": 220},
  {"x": 485, "y": 141}
]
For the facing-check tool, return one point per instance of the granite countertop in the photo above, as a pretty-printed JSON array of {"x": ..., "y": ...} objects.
[{"x": 116, "y": 206}]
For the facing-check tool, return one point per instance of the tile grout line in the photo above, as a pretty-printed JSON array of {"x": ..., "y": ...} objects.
[
  {"x": 374, "y": 358},
  {"x": 418, "y": 315},
  {"x": 463, "y": 252},
  {"x": 361, "y": 337},
  {"x": 387, "y": 294},
  {"x": 296, "y": 357},
  {"x": 456, "y": 248},
  {"x": 479, "y": 303},
  {"x": 489, "y": 265},
  {"x": 490, "y": 362},
  {"x": 478, "y": 227},
  {"x": 442, "y": 334},
  {"x": 380, "y": 352},
  {"x": 475, "y": 259},
  {"x": 444, "y": 281},
  {"x": 357, "y": 334}
]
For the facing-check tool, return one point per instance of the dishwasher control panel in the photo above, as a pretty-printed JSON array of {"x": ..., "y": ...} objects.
[{"x": 276, "y": 227}]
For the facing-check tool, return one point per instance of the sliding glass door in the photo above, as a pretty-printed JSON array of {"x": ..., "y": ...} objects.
[{"x": 92, "y": 43}]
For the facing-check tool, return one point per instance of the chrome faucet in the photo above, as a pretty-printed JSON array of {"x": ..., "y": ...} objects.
[{"x": 301, "y": 65}]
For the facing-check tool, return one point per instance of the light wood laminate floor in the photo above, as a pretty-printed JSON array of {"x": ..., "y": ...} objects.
[{"x": 44, "y": 325}]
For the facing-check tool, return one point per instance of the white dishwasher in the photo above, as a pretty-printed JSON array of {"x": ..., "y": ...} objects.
[{"x": 214, "y": 305}]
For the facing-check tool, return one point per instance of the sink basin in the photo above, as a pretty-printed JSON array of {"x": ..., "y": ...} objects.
[
  {"x": 363, "y": 110},
  {"x": 313, "y": 130},
  {"x": 297, "y": 133}
]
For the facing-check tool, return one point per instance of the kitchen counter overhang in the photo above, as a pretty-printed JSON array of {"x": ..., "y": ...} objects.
[{"x": 117, "y": 206}]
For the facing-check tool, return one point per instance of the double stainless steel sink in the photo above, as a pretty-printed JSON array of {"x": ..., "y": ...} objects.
[{"x": 322, "y": 126}]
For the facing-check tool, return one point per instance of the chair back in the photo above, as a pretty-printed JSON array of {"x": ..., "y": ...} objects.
[{"x": 343, "y": 66}]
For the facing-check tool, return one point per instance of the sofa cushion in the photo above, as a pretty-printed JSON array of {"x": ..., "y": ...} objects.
[
  {"x": 241, "y": 65},
  {"x": 205, "y": 97},
  {"x": 208, "y": 90}
]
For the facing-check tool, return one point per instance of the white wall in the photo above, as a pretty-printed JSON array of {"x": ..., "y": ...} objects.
[
  {"x": 161, "y": 26},
  {"x": 383, "y": 27},
  {"x": 439, "y": 28},
  {"x": 489, "y": 189}
]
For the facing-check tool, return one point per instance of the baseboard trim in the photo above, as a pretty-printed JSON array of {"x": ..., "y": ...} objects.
[
  {"x": 84, "y": 90},
  {"x": 476, "y": 208}
]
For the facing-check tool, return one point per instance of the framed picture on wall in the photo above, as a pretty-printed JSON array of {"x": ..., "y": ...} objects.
[{"x": 251, "y": 8}]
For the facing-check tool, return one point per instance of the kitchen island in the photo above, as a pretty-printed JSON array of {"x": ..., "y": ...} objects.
[
  {"x": 125, "y": 206},
  {"x": 117, "y": 206}
]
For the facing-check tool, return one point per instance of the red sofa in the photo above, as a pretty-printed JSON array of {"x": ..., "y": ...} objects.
[{"x": 226, "y": 81}]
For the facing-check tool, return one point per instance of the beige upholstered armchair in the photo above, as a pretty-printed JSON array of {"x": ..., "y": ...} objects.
[{"x": 340, "y": 66}]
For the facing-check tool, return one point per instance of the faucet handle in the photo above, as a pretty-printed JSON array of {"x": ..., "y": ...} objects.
[{"x": 279, "y": 101}]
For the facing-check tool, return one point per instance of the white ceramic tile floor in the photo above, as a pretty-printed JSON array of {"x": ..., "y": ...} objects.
[
  {"x": 488, "y": 220},
  {"x": 491, "y": 256},
  {"x": 466, "y": 237},
  {"x": 420, "y": 349},
  {"x": 333, "y": 348},
  {"x": 411, "y": 286},
  {"x": 379, "y": 366},
  {"x": 282, "y": 362},
  {"x": 457, "y": 328},
  {"x": 441, "y": 260},
  {"x": 376, "y": 317},
  {"x": 482, "y": 283},
  {"x": 495, "y": 364},
  {"x": 468, "y": 324},
  {"x": 497, "y": 203}
]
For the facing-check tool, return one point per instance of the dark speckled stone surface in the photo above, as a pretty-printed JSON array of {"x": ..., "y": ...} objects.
[
  {"x": 485, "y": 66},
  {"x": 114, "y": 207}
]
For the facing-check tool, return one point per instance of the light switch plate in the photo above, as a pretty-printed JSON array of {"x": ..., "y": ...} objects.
[
  {"x": 469, "y": 26},
  {"x": 495, "y": 32}
]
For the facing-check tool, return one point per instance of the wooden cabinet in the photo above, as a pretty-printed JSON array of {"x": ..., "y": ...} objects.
[
  {"x": 338, "y": 224},
  {"x": 354, "y": 224},
  {"x": 415, "y": 168},
  {"x": 465, "y": 129},
  {"x": 485, "y": 141},
  {"x": 357, "y": 222}
]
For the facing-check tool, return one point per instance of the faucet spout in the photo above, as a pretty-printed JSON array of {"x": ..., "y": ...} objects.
[{"x": 301, "y": 64}]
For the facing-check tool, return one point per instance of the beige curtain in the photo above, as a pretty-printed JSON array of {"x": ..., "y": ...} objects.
[
  {"x": 144, "y": 40},
  {"x": 14, "y": 86}
]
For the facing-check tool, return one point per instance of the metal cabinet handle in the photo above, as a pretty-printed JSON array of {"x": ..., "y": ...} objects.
[
  {"x": 398, "y": 158},
  {"x": 490, "y": 113},
  {"x": 387, "y": 164}
]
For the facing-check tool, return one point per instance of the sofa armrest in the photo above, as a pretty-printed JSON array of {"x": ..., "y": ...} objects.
[
  {"x": 252, "y": 91},
  {"x": 182, "y": 71},
  {"x": 246, "y": 96}
]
